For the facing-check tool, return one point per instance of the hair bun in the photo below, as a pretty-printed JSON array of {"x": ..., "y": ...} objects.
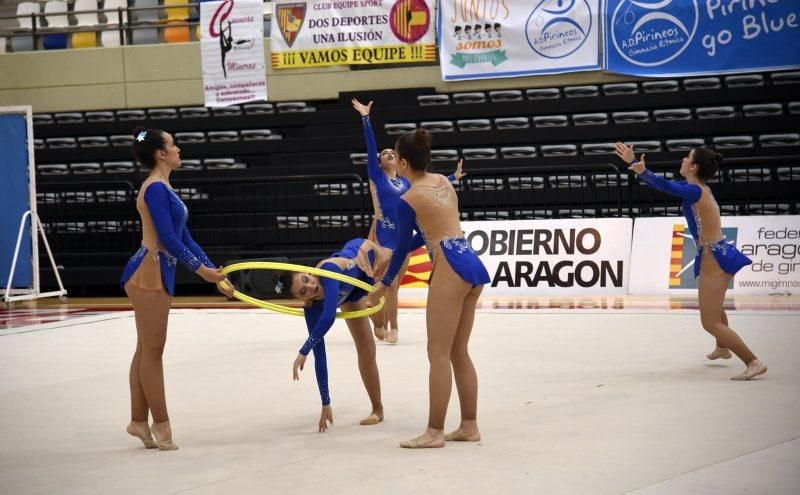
[
  {"x": 422, "y": 138},
  {"x": 718, "y": 158},
  {"x": 138, "y": 130}
]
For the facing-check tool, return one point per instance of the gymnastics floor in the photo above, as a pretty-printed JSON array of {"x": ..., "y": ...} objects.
[{"x": 577, "y": 396}]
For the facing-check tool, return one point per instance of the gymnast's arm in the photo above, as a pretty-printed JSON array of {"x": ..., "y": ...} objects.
[
  {"x": 405, "y": 227},
  {"x": 374, "y": 171},
  {"x": 157, "y": 199},
  {"x": 313, "y": 314},
  {"x": 186, "y": 237},
  {"x": 683, "y": 190},
  {"x": 674, "y": 188}
]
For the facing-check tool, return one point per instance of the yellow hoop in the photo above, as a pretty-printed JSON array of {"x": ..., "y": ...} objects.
[{"x": 280, "y": 308}]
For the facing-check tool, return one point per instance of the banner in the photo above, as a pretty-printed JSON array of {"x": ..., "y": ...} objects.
[
  {"x": 509, "y": 38},
  {"x": 351, "y": 32},
  {"x": 537, "y": 257},
  {"x": 232, "y": 50},
  {"x": 663, "y": 255},
  {"x": 685, "y": 37}
]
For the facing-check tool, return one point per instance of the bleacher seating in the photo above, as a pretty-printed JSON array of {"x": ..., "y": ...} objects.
[{"x": 262, "y": 179}]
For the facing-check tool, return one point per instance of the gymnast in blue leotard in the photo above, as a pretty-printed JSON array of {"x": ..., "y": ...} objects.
[
  {"x": 717, "y": 260},
  {"x": 360, "y": 259},
  {"x": 149, "y": 281},
  {"x": 431, "y": 207},
  {"x": 386, "y": 187}
]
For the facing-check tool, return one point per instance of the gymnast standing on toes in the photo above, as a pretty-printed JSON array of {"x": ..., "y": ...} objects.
[
  {"x": 716, "y": 261},
  {"x": 457, "y": 279},
  {"x": 386, "y": 187},
  {"x": 360, "y": 259},
  {"x": 149, "y": 279}
]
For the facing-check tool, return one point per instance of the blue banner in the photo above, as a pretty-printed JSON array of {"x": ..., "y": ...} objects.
[
  {"x": 14, "y": 200},
  {"x": 685, "y": 37}
]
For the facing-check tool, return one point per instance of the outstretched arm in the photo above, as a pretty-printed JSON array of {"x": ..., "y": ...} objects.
[
  {"x": 373, "y": 168},
  {"x": 674, "y": 188}
]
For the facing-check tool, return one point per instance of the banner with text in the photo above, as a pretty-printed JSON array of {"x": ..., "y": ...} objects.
[
  {"x": 538, "y": 257},
  {"x": 232, "y": 50},
  {"x": 684, "y": 37},
  {"x": 663, "y": 255},
  {"x": 351, "y": 32},
  {"x": 510, "y": 38}
]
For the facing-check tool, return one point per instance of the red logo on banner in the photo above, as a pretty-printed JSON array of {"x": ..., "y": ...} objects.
[
  {"x": 410, "y": 20},
  {"x": 290, "y": 20},
  {"x": 220, "y": 15}
]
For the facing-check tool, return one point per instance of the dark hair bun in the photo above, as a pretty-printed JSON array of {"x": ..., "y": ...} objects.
[
  {"x": 422, "y": 138},
  {"x": 708, "y": 162}
]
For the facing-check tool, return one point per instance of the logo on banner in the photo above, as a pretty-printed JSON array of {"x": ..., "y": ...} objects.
[
  {"x": 409, "y": 20},
  {"x": 217, "y": 29},
  {"x": 290, "y": 20},
  {"x": 652, "y": 32},
  {"x": 682, "y": 256},
  {"x": 558, "y": 28}
]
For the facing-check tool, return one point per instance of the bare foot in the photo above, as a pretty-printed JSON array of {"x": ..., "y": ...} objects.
[
  {"x": 373, "y": 419},
  {"x": 754, "y": 368},
  {"x": 163, "y": 434},
  {"x": 463, "y": 434},
  {"x": 431, "y": 439},
  {"x": 140, "y": 430},
  {"x": 719, "y": 353}
]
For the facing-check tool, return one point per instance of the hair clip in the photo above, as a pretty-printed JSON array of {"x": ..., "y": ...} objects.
[
  {"x": 142, "y": 135},
  {"x": 278, "y": 288}
]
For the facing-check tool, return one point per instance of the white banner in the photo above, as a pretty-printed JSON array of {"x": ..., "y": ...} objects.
[
  {"x": 663, "y": 255},
  {"x": 554, "y": 257},
  {"x": 232, "y": 49},
  {"x": 347, "y": 32},
  {"x": 511, "y": 38}
]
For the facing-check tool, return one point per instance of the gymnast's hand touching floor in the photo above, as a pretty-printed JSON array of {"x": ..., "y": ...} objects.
[
  {"x": 327, "y": 412},
  {"x": 325, "y": 416}
]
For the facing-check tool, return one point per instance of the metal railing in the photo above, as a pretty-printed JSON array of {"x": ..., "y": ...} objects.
[
  {"x": 122, "y": 23},
  {"x": 89, "y": 218},
  {"x": 524, "y": 193},
  {"x": 304, "y": 215}
]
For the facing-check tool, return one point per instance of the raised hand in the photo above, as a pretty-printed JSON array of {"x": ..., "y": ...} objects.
[
  {"x": 639, "y": 166},
  {"x": 625, "y": 152},
  {"x": 361, "y": 108},
  {"x": 459, "y": 173}
]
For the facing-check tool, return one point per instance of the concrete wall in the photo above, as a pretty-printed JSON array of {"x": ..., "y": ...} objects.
[{"x": 170, "y": 75}]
